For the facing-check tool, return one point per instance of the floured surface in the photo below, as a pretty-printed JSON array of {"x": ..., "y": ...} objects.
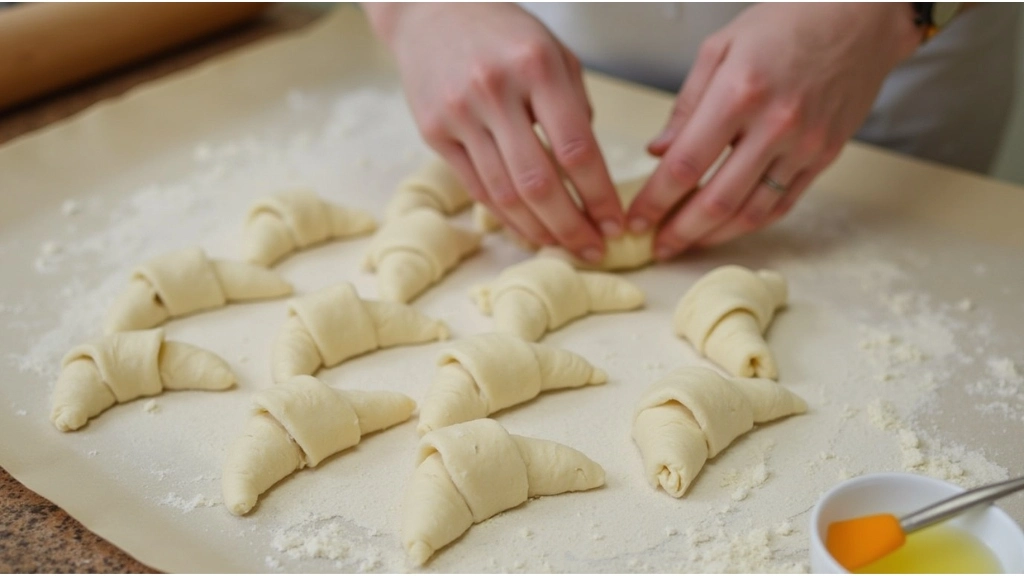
[{"x": 903, "y": 337}]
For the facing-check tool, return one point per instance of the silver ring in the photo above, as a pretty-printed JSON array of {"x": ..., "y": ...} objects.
[{"x": 774, "y": 185}]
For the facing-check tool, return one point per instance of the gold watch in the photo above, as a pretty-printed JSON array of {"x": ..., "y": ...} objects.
[{"x": 932, "y": 17}]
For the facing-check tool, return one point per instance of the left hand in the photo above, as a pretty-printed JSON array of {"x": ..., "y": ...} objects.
[{"x": 786, "y": 86}]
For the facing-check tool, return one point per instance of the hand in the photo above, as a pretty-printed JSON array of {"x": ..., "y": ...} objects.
[
  {"x": 785, "y": 86},
  {"x": 478, "y": 77}
]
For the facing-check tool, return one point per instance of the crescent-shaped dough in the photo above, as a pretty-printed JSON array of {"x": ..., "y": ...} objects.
[
  {"x": 128, "y": 365},
  {"x": 468, "y": 472},
  {"x": 542, "y": 294},
  {"x": 627, "y": 252},
  {"x": 693, "y": 413},
  {"x": 725, "y": 314},
  {"x": 486, "y": 373},
  {"x": 413, "y": 252},
  {"x": 299, "y": 423},
  {"x": 187, "y": 281},
  {"x": 281, "y": 224},
  {"x": 434, "y": 186},
  {"x": 334, "y": 324}
]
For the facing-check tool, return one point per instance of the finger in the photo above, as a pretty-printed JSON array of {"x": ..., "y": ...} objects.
[
  {"x": 576, "y": 151},
  {"x": 572, "y": 63},
  {"x": 801, "y": 183},
  {"x": 711, "y": 54},
  {"x": 455, "y": 154},
  {"x": 539, "y": 186},
  {"x": 756, "y": 212},
  {"x": 499, "y": 192},
  {"x": 687, "y": 159},
  {"x": 717, "y": 202}
]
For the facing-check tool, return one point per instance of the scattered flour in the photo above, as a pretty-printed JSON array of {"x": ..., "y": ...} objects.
[
  {"x": 349, "y": 547},
  {"x": 198, "y": 501}
]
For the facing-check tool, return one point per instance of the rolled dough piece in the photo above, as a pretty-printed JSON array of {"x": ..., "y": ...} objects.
[
  {"x": 433, "y": 186},
  {"x": 693, "y": 413},
  {"x": 483, "y": 374},
  {"x": 334, "y": 324},
  {"x": 300, "y": 423},
  {"x": 128, "y": 365},
  {"x": 187, "y": 281},
  {"x": 413, "y": 252},
  {"x": 484, "y": 220},
  {"x": 468, "y": 472},
  {"x": 542, "y": 294},
  {"x": 284, "y": 223},
  {"x": 725, "y": 314},
  {"x": 627, "y": 252}
]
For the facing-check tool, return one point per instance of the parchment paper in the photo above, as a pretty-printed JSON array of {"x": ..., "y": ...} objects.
[{"x": 940, "y": 227}]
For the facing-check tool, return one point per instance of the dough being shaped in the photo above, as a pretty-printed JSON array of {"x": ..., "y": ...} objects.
[
  {"x": 693, "y": 413},
  {"x": 484, "y": 220},
  {"x": 468, "y": 472},
  {"x": 725, "y": 314},
  {"x": 626, "y": 252},
  {"x": 284, "y": 223},
  {"x": 434, "y": 186},
  {"x": 542, "y": 294},
  {"x": 186, "y": 281},
  {"x": 128, "y": 365},
  {"x": 413, "y": 252},
  {"x": 334, "y": 324},
  {"x": 486, "y": 373},
  {"x": 299, "y": 423}
]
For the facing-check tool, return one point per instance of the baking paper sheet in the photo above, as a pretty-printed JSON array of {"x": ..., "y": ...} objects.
[{"x": 886, "y": 256}]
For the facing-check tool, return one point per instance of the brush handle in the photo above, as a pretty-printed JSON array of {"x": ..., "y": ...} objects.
[{"x": 956, "y": 504}]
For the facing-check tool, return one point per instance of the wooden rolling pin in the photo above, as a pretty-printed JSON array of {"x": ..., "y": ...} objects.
[{"x": 44, "y": 47}]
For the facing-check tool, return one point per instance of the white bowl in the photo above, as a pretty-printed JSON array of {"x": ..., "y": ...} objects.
[{"x": 900, "y": 494}]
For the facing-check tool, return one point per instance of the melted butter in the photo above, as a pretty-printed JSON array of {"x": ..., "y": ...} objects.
[{"x": 939, "y": 549}]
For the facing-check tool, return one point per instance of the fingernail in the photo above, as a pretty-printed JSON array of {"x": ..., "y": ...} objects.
[
  {"x": 611, "y": 229},
  {"x": 591, "y": 255},
  {"x": 638, "y": 225},
  {"x": 660, "y": 139},
  {"x": 664, "y": 253}
]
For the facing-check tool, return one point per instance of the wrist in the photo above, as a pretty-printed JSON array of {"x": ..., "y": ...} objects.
[
  {"x": 384, "y": 18},
  {"x": 907, "y": 35}
]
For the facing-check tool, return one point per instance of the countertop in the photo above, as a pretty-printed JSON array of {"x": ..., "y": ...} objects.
[{"x": 35, "y": 534}]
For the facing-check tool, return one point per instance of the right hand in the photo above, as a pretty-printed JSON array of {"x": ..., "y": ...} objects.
[{"x": 477, "y": 78}]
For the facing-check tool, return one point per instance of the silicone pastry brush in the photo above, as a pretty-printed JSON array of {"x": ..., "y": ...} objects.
[{"x": 857, "y": 542}]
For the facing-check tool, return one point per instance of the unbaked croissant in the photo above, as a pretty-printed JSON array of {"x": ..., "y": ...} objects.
[
  {"x": 468, "y": 472},
  {"x": 542, "y": 294},
  {"x": 281, "y": 224},
  {"x": 483, "y": 374},
  {"x": 299, "y": 423},
  {"x": 725, "y": 314},
  {"x": 693, "y": 413},
  {"x": 413, "y": 252},
  {"x": 187, "y": 281},
  {"x": 434, "y": 186},
  {"x": 333, "y": 324},
  {"x": 128, "y": 365}
]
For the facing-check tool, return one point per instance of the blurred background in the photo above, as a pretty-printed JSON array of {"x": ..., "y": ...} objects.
[{"x": 17, "y": 32}]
